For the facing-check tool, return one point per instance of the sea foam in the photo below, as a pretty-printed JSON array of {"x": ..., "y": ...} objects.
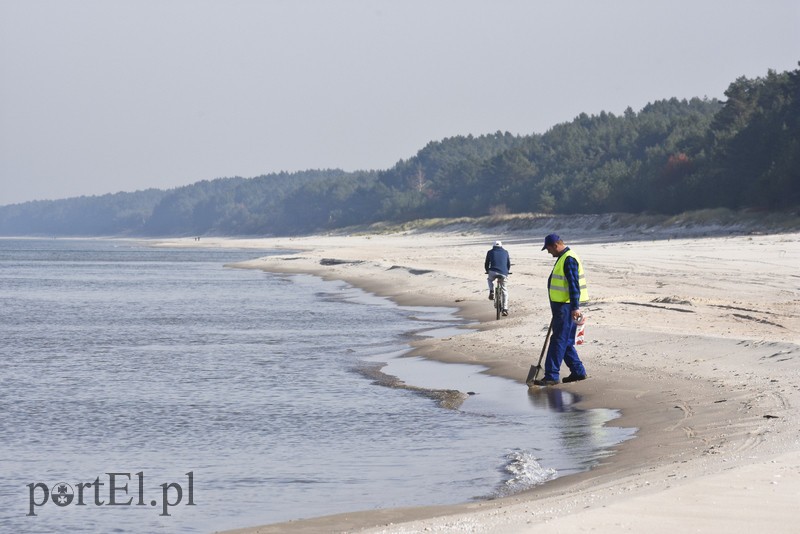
[{"x": 525, "y": 472}]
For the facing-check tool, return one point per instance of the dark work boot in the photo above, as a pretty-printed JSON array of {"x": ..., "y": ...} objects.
[{"x": 574, "y": 378}]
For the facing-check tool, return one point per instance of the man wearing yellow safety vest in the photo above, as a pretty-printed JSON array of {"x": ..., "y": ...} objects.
[{"x": 567, "y": 289}]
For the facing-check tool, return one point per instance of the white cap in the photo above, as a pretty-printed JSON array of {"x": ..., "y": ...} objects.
[{"x": 498, "y": 243}]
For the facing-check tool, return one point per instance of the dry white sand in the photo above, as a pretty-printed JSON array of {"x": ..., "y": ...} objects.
[{"x": 695, "y": 340}]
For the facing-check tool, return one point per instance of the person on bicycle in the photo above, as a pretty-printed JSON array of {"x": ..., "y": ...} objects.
[{"x": 498, "y": 265}]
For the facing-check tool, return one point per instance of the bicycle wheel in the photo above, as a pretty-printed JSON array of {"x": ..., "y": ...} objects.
[{"x": 498, "y": 300}]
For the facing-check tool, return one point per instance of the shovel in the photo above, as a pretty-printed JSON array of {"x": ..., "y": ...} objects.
[{"x": 534, "y": 372}]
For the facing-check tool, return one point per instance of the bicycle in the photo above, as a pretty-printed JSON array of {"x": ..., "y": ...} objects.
[{"x": 499, "y": 283}]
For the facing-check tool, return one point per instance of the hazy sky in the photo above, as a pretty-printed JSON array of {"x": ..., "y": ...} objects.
[{"x": 100, "y": 96}]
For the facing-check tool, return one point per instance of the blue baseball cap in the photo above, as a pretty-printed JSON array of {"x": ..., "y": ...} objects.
[{"x": 551, "y": 239}]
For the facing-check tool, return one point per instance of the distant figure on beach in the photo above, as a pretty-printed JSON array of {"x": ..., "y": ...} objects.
[
  {"x": 566, "y": 287},
  {"x": 498, "y": 265}
]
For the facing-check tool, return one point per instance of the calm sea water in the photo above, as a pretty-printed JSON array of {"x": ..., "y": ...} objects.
[{"x": 154, "y": 390}]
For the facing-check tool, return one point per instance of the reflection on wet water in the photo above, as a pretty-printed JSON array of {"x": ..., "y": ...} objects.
[{"x": 549, "y": 398}]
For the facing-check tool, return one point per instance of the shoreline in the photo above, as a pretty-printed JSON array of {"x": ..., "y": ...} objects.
[{"x": 708, "y": 370}]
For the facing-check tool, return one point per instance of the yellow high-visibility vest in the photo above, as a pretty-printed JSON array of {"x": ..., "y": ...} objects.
[{"x": 559, "y": 290}]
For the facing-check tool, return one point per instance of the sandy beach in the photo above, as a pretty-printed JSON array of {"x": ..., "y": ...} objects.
[{"x": 694, "y": 338}]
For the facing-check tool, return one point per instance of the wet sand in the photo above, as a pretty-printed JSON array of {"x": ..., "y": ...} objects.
[{"x": 695, "y": 339}]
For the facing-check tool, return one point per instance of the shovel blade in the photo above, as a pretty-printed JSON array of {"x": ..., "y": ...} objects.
[{"x": 532, "y": 374}]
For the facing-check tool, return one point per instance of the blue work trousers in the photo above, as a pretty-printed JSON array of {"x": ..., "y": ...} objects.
[{"x": 562, "y": 343}]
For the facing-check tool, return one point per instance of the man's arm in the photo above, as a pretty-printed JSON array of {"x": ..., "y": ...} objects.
[{"x": 573, "y": 282}]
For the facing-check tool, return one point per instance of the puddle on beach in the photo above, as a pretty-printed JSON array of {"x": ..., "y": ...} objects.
[{"x": 542, "y": 434}]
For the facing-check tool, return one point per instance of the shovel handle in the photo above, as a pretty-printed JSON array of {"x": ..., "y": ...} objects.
[
  {"x": 534, "y": 372},
  {"x": 546, "y": 339}
]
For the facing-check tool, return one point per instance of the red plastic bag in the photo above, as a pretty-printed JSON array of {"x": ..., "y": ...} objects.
[{"x": 580, "y": 334}]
